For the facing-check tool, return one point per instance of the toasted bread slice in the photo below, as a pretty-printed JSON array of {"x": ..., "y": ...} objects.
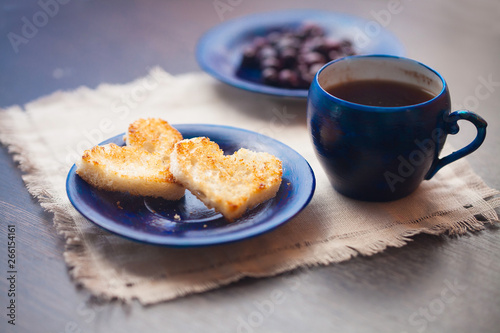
[
  {"x": 153, "y": 135},
  {"x": 229, "y": 183},
  {"x": 141, "y": 167},
  {"x": 128, "y": 169}
]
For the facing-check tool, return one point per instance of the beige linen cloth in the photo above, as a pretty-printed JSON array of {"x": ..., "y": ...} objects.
[{"x": 47, "y": 135}]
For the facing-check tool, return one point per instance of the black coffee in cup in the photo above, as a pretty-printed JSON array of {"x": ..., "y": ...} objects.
[{"x": 382, "y": 93}]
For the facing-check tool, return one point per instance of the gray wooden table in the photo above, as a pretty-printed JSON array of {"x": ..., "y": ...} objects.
[{"x": 434, "y": 284}]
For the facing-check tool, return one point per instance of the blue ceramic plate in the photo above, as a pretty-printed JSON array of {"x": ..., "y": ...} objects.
[
  {"x": 188, "y": 222},
  {"x": 219, "y": 51}
]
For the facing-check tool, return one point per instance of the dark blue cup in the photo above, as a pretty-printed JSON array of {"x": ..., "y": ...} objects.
[{"x": 379, "y": 153}]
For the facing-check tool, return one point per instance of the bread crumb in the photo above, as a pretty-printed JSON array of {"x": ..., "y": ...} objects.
[
  {"x": 177, "y": 217},
  {"x": 118, "y": 205}
]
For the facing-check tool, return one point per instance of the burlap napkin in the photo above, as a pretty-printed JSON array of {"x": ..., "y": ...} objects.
[{"x": 51, "y": 132}]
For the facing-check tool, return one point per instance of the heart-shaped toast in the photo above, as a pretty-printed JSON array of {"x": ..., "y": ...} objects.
[
  {"x": 140, "y": 168},
  {"x": 229, "y": 183}
]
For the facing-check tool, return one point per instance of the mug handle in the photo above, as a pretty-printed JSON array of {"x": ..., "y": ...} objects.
[{"x": 452, "y": 128}]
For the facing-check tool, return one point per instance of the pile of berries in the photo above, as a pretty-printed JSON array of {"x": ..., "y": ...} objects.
[{"x": 290, "y": 58}]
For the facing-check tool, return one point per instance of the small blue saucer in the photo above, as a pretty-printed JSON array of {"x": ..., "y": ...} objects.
[
  {"x": 220, "y": 49},
  {"x": 187, "y": 222}
]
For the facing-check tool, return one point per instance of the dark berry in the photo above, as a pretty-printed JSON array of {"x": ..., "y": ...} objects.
[
  {"x": 249, "y": 57},
  {"x": 267, "y": 52},
  {"x": 315, "y": 68},
  {"x": 273, "y": 62},
  {"x": 274, "y": 37},
  {"x": 288, "y": 78},
  {"x": 270, "y": 76},
  {"x": 311, "y": 29},
  {"x": 289, "y": 57},
  {"x": 334, "y": 54},
  {"x": 288, "y": 42},
  {"x": 259, "y": 42},
  {"x": 313, "y": 58},
  {"x": 332, "y": 45}
]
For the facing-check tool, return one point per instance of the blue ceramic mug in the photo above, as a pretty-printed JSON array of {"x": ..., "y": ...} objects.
[{"x": 382, "y": 153}]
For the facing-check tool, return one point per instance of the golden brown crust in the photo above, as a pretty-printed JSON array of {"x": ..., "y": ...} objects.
[
  {"x": 134, "y": 168},
  {"x": 229, "y": 183},
  {"x": 153, "y": 135}
]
